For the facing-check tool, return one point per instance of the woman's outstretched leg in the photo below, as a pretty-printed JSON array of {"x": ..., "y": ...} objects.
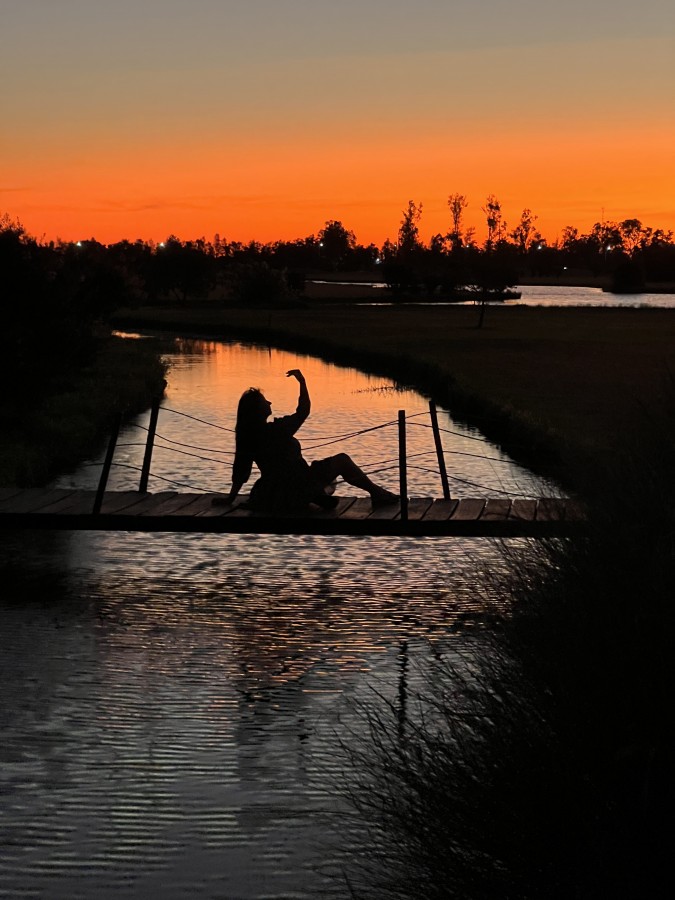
[{"x": 343, "y": 466}]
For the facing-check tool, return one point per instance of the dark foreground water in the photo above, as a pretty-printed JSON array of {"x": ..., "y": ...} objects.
[{"x": 174, "y": 706}]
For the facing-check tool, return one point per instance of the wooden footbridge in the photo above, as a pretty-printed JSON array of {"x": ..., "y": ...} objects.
[
  {"x": 63, "y": 509},
  {"x": 168, "y": 511}
]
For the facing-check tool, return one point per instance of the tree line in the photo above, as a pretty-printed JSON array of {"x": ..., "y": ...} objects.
[{"x": 84, "y": 280}]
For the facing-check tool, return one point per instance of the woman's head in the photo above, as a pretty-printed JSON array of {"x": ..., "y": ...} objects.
[{"x": 253, "y": 410}]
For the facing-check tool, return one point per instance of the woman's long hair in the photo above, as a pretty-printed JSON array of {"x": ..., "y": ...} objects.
[{"x": 251, "y": 418}]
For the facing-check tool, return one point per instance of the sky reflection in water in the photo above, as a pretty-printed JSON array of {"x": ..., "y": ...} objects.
[{"x": 172, "y": 703}]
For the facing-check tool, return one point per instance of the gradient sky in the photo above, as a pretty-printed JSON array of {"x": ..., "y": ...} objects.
[{"x": 261, "y": 119}]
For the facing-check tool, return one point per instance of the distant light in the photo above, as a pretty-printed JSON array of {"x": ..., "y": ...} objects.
[
  {"x": 79, "y": 244},
  {"x": 378, "y": 261},
  {"x": 564, "y": 268},
  {"x": 609, "y": 247},
  {"x": 320, "y": 243},
  {"x": 162, "y": 244}
]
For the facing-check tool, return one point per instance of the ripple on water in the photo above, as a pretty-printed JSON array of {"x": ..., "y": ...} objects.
[{"x": 172, "y": 705}]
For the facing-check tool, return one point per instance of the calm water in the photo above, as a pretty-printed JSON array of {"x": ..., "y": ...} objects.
[
  {"x": 172, "y": 704},
  {"x": 534, "y": 295},
  {"x": 538, "y": 295}
]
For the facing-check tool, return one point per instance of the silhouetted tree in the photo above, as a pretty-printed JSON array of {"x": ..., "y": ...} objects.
[
  {"x": 389, "y": 250},
  {"x": 399, "y": 277},
  {"x": 302, "y": 255},
  {"x": 408, "y": 233},
  {"x": 183, "y": 270},
  {"x": 258, "y": 284},
  {"x": 494, "y": 221},
  {"x": 457, "y": 203},
  {"x": 525, "y": 233},
  {"x": 336, "y": 243}
]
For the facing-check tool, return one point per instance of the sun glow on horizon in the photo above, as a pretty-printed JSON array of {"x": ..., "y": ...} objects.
[{"x": 187, "y": 126}]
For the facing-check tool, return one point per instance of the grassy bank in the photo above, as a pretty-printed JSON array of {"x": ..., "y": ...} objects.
[
  {"x": 74, "y": 414},
  {"x": 557, "y": 387},
  {"x": 538, "y": 760}
]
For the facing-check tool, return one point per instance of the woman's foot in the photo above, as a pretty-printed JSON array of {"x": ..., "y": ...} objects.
[
  {"x": 327, "y": 501},
  {"x": 384, "y": 498}
]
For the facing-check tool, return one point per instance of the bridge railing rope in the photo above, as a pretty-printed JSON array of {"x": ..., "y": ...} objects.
[{"x": 156, "y": 441}]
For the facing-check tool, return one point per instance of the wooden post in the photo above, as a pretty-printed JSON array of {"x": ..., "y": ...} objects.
[
  {"x": 152, "y": 427},
  {"x": 107, "y": 463},
  {"x": 439, "y": 450},
  {"x": 402, "y": 463}
]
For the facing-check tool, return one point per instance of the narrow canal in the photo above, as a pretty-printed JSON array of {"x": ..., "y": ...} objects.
[{"x": 173, "y": 705}]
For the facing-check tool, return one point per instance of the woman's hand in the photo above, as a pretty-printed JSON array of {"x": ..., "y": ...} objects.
[
  {"x": 295, "y": 373},
  {"x": 220, "y": 500}
]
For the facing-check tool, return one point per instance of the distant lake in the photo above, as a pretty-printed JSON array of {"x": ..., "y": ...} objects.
[
  {"x": 546, "y": 295},
  {"x": 534, "y": 295}
]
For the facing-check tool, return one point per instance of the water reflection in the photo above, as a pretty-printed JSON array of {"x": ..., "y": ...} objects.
[
  {"x": 206, "y": 380},
  {"x": 171, "y": 702}
]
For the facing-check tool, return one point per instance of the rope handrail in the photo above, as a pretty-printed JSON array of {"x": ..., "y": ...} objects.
[
  {"x": 178, "y": 412},
  {"x": 478, "y": 456},
  {"x": 222, "y": 462},
  {"x": 179, "y": 443},
  {"x": 404, "y": 461},
  {"x": 119, "y": 465},
  {"x": 349, "y": 435},
  {"x": 193, "y": 487},
  {"x": 329, "y": 439},
  {"x": 483, "y": 486},
  {"x": 193, "y": 446},
  {"x": 469, "y": 437},
  {"x": 324, "y": 441}
]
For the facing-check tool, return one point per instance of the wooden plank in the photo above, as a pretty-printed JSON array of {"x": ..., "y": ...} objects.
[
  {"x": 550, "y": 509},
  {"x": 62, "y": 509},
  {"x": 417, "y": 507},
  {"x": 149, "y": 504},
  {"x": 440, "y": 510},
  {"x": 116, "y": 501},
  {"x": 384, "y": 513},
  {"x": 496, "y": 509},
  {"x": 82, "y": 501},
  {"x": 7, "y": 492},
  {"x": 523, "y": 510},
  {"x": 361, "y": 508},
  {"x": 574, "y": 511},
  {"x": 468, "y": 510},
  {"x": 239, "y": 510},
  {"x": 179, "y": 503},
  {"x": 343, "y": 505},
  {"x": 193, "y": 507},
  {"x": 17, "y": 502},
  {"x": 33, "y": 499}
]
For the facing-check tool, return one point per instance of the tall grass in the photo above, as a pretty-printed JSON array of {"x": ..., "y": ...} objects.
[
  {"x": 540, "y": 761},
  {"x": 47, "y": 432}
]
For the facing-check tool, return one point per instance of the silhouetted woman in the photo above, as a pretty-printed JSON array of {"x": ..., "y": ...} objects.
[{"x": 287, "y": 482}]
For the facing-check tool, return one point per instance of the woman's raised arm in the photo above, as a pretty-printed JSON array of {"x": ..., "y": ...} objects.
[{"x": 304, "y": 403}]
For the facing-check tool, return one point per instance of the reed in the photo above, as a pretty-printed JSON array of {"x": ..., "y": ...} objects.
[{"x": 538, "y": 758}]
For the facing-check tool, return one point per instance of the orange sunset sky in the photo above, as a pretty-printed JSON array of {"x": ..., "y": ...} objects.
[{"x": 260, "y": 120}]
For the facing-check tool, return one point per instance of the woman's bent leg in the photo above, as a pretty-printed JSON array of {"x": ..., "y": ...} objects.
[{"x": 343, "y": 466}]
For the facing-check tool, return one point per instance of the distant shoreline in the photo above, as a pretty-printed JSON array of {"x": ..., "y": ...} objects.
[{"x": 359, "y": 287}]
